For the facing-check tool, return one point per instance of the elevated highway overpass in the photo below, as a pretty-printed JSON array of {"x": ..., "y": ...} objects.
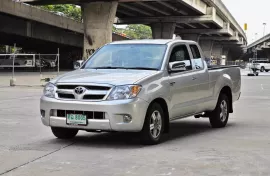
[
  {"x": 208, "y": 22},
  {"x": 261, "y": 47},
  {"x": 39, "y": 30}
]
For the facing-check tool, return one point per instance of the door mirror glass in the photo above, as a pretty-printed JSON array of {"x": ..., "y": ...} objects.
[{"x": 177, "y": 66}]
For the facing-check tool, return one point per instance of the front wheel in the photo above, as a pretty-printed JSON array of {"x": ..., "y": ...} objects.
[
  {"x": 64, "y": 133},
  {"x": 153, "y": 125},
  {"x": 219, "y": 117}
]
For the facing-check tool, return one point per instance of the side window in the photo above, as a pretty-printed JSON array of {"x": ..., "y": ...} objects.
[
  {"x": 180, "y": 53},
  {"x": 197, "y": 57}
]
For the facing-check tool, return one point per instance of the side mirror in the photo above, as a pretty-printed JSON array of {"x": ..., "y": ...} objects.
[{"x": 177, "y": 66}]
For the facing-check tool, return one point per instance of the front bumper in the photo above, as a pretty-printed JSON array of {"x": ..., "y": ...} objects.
[{"x": 114, "y": 111}]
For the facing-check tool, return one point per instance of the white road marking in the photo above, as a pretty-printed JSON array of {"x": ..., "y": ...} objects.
[{"x": 262, "y": 87}]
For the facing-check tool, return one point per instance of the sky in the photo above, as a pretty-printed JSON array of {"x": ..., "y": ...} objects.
[{"x": 254, "y": 13}]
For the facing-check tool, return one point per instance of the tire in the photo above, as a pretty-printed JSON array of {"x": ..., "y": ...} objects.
[
  {"x": 64, "y": 133},
  {"x": 262, "y": 69},
  {"x": 267, "y": 70},
  {"x": 219, "y": 119},
  {"x": 152, "y": 135}
]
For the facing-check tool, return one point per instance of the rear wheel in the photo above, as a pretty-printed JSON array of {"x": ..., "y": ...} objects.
[
  {"x": 219, "y": 117},
  {"x": 153, "y": 125},
  {"x": 267, "y": 70},
  {"x": 262, "y": 69},
  {"x": 64, "y": 133}
]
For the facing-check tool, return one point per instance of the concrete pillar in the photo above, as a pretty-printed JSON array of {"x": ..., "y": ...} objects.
[
  {"x": 8, "y": 49},
  {"x": 163, "y": 30},
  {"x": 193, "y": 37},
  {"x": 211, "y": 48},
  {"x": 226, "y": 52},
  {"x": 98, "y": 19},
  {"x": 217, "y": 50},
  {"x": 207, "y": 47},
  {"x": 29, "y": 29}
]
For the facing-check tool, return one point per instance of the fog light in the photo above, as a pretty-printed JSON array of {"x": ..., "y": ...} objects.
[
  {"x": 127, "y": 118},
  {"x": 42, "y": 112}
]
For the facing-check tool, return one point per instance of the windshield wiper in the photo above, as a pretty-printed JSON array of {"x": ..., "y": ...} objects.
[
  {"x": 131, "y": 68},
  {"x": 109, "y": 67},
  {"x": 142, "y": 68}
]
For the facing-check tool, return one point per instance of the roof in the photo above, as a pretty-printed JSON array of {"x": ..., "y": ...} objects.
[{"x": 152, "y": 41}]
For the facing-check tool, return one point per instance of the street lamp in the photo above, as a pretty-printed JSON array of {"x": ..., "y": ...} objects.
[{"x": 264, "y": 26}]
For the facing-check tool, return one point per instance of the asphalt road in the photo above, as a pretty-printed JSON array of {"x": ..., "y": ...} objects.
[{"x": 192, "y": 147}]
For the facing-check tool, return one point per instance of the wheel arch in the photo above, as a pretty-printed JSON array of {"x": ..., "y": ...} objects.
[
  {"x": 164, "y": 106},
  {"x": 228, "y": 92}
]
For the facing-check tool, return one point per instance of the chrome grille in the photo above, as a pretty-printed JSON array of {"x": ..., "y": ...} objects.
[
  {"x": 90, "y": 87},
  {"x": 91, "y": 93}
]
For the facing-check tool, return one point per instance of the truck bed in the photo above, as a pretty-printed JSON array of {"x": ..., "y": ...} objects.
[{"x": 216, "y": 67}]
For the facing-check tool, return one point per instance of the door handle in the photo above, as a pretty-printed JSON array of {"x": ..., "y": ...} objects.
[
  {"x": 172, "y": 83},
  {"x": 194, "y": 78}
]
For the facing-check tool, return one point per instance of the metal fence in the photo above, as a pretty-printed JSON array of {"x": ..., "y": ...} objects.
[
  {"x": 28, "y": 69},
  {"x": 240, "y": 63}
]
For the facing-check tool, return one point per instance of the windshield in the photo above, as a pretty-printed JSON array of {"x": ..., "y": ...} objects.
[{"x": 127, "y": 56}]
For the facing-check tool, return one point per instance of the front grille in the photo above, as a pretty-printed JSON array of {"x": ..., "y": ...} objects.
[
  {"x": 93, "y": 92},
  {"x": 66, "y": 96},
  {"x": 87, "y": 87},
  {"x": 93, "y": 97},
  {"x": 89, "y": 114}
]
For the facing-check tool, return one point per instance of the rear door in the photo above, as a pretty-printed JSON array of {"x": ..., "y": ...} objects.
[
  {"x": 183, "y": 86},
  {"x": 202, "y": 91}
]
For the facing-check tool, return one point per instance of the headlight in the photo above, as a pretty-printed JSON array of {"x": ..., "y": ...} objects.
[
  {"x": 49, "y": 90},
  {"x": 124, "y": 92}
]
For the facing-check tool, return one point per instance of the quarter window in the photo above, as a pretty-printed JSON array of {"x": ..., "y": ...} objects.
[{"x": 197, "y": 59}]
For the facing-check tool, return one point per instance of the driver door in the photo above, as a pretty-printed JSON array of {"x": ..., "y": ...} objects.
[{"x": 182, "y": 84}]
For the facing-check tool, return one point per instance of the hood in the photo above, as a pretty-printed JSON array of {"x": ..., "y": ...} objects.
[{"x": 102, "y": 76}]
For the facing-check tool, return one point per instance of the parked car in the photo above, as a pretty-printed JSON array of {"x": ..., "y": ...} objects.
[
  {"x": 262, "y": 65},
  {"x": 77, "y": 64},
  {"x": 45, "y": 63},
  {"x": 20, "y": 61},
  {"x": 140, "y": 86}
]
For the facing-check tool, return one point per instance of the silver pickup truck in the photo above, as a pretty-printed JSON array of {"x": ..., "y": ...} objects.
[{"x": 140, "y": 86}]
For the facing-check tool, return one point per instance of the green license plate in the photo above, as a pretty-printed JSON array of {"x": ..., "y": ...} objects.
[{"x": 76, "y": 119}]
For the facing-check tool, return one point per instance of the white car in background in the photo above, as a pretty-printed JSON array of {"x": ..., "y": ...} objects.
[
  {"x": 20, "y": 61},
  {"x": 47, "y": 63},
  {"x": 77, "y": 64},
  {"x": 262, "y": 65}
]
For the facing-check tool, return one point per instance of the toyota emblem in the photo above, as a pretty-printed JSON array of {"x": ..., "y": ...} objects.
[{"x": 79, "y": 90}]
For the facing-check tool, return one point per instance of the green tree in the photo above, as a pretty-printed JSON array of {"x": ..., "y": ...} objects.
[
  {"x": 72, "y": 11},
  {"x": 138, "y": 31},
  {"x": 69, "y": 10}
]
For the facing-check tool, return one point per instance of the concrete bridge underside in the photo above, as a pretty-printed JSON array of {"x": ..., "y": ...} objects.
[{"x": 191, "y": 19}]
